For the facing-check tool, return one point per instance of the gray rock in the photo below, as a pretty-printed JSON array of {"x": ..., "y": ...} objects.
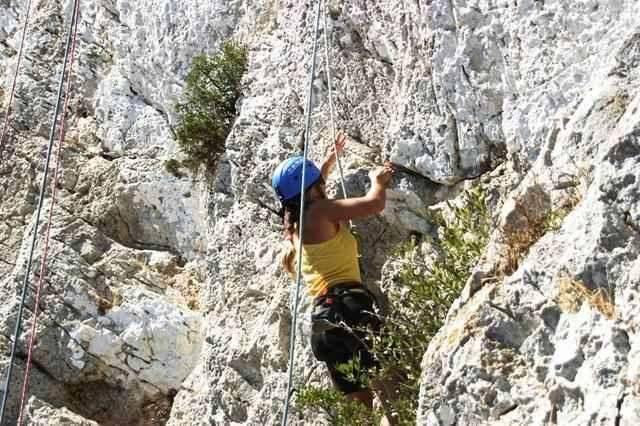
[
  {"x": 571, "y": 339},
  {"x": 42, "y": 414},
  {"x": 159, "y": 300}
]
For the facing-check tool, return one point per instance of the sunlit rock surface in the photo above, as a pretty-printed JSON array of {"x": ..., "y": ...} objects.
[{"x": 164, "y": 301}]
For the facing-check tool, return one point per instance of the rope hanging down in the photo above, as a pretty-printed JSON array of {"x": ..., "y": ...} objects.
[
  {"x": 54, "y": 190},
  {"x": 68, "y": 59},
  {"x": 15, "y": 78},
  {"x": 302, "y": 188},
  {"x": 307, "y": 140},
  {"x": 327, "y": 63}
]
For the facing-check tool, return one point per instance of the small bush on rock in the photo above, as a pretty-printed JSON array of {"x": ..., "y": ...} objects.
[
  {"x": 173, "y": 167},
  {"x": 339, "y": 410},
  {"x": 207, "y": 113}
]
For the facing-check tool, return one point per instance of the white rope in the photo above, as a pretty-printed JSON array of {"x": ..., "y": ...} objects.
[
  {"x": 307, "y": 141},
  {"x": 327, "y": 64}
]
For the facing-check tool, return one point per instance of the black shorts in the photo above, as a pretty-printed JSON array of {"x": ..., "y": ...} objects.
[{"x": 339, "y": 345}]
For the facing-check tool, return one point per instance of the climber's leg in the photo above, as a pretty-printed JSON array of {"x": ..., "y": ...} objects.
[
  {"x": 363, "y": 396},
  {"x": 386, "y": 390}
]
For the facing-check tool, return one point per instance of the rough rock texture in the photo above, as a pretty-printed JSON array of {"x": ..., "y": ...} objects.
[
  {"x": 553, "y": 343},
  {"x": 165, "y": 293},
  {"x": 41, "y": 413},
  {"x": 120, "y": 326}
]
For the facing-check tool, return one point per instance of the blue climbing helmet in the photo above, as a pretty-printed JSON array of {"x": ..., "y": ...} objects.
[{"x": 287, "y": 178}]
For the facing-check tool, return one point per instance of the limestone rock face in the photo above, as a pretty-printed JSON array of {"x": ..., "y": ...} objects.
[
  {"x": 164, "y": 301},
  {"x": 41, "y": 413},
  {"x": 553, "y": 342},
  {"x": 119, "y": 325}
]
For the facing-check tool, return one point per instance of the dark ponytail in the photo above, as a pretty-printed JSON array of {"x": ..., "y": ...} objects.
[{"x": 290, "y": 214}]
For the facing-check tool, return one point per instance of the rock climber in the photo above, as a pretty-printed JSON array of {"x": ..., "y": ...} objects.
[{"x": 343, "y": 307}]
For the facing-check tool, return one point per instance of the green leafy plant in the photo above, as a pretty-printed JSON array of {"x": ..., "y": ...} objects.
[
  {"x": 173, "y": 166},
  {"x": 339, "y": 410},
  {"x": 208, "y": 110},
  {"x": 422, "y": 295}
]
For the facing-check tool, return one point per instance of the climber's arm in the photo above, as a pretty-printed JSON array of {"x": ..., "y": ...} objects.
[
  {"x": 330, "y": 161},
  {"x": 358, "y": 207}
]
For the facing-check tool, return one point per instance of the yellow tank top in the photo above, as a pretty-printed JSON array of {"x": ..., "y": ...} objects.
[{"x": 331, "y": 262}]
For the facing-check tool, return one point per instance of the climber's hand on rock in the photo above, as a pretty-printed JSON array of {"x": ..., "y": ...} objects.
[
  {"x": 341, "y": 141},
  {"x": 382, "y": 175}
]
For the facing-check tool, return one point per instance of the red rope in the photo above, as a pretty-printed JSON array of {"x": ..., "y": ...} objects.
[
  {"x": 54, "y": 190},
  {"x": 15, "y": 79}
]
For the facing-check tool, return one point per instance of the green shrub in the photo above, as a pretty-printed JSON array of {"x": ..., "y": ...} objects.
[
  {"x": 421, "y": 298},
  {"x": 339, "y": 410},
  {"x": 208, "y": 110},
  {"x": 173, "y": 166}
]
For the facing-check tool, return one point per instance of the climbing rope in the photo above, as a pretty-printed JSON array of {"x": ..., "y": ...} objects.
[
  {"x": 307, "y": 140},
  {"x": 54, "y": 190},
  {"x": 68, "y": 59},
  {"x": 15, "y": 78},
  {"x": 327, "y": 63}
]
